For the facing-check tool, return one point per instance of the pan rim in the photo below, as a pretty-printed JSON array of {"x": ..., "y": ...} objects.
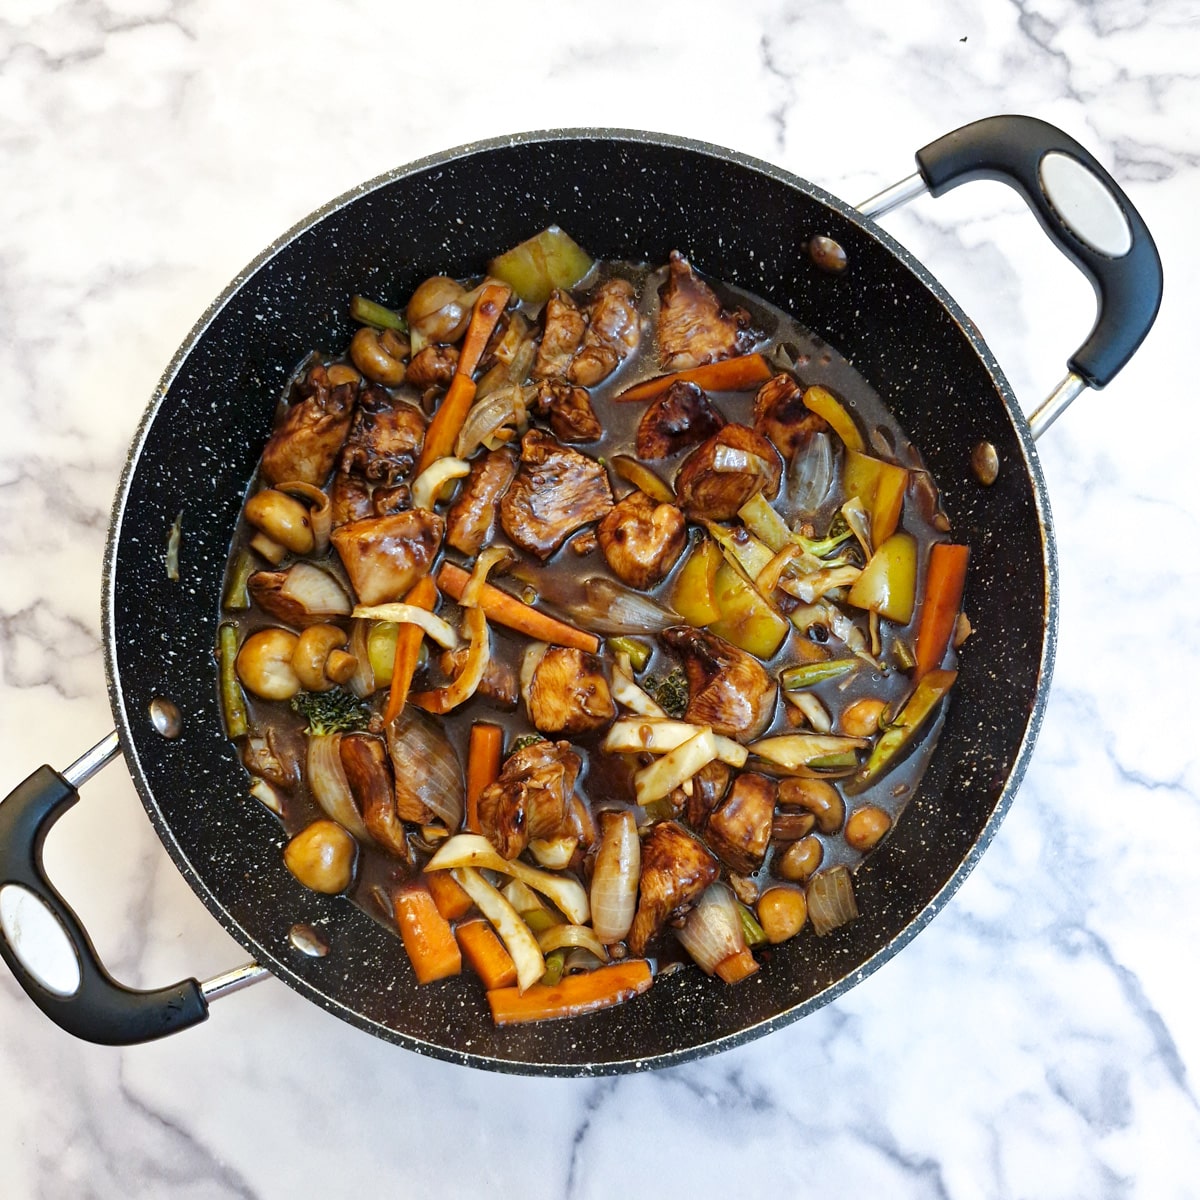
[{"x": 279, "y": 967}]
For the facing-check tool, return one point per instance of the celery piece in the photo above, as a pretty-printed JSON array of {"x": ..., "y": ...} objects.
[
  {"x": 555, "y": 962},
  {"x": 367, "y": 312},
  {"x": 233, "y": 702},
  {"x": 237, "y": 595},
  {"x": 807, "y": 675},
  {"x": 639, "y": 652},
  {"x": 755, "y": 934}
]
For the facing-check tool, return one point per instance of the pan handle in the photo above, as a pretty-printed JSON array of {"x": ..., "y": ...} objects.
[
  {"x": 90, "y": 1004},
  {"x": 1083, "y": 211}
]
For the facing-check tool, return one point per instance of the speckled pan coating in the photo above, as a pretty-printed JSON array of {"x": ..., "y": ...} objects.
[{"x": 622, "y": 195}]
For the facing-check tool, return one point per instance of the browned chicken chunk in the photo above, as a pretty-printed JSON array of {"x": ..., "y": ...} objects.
[
  {"x": 472, "y": 516},
  {"x": 728, "y": 688},
  {"x": 365, "y": 761},
  {"x": 780, "y": 414},
  {"x": 567, "y": 692},
  {"x": 433, "y": 366},
  {"x": 564, "y": 326},
  {"x": 531, "y": 798},
  {"x": 682, "y": 416},
  {"x": 572, "y": 417},
  {"x": 385, "y": 440},
  {"x": 305, "y": 445},
  {"x": 642, "y": 539},
  {"x": 499, "y": 682},
  {"x": 556, "y": 492},
  {"x": 385, "y": 556},
  {"x": 693, "y": 328},
  {"x": 676, "y": 868},
  {"x": 739, "y": 830},
  {"x": 720, "y": 475},
  {"x": 613, "y": 333}
]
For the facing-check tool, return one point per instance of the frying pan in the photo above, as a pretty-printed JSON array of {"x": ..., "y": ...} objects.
[{"x": 622, "y": 195}]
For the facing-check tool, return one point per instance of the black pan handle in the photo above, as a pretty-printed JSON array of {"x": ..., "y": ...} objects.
[
  {"x": 1085, "y": 214},
  {"x": 99, "y": 1009}
]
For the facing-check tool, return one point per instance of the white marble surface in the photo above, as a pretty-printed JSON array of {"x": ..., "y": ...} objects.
[{"x": 1041, "y": 1038}]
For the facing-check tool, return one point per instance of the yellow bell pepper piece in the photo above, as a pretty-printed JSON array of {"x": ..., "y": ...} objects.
[
  {"x": 888, "y": 584},
  {"x": 694, "y": 595},
  {"x": 746, "y": 619},
  {"x": 826, "y": 404}
]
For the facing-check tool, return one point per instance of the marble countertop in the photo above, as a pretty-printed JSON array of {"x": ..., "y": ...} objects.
[{"x": 1040, "y": 1038}]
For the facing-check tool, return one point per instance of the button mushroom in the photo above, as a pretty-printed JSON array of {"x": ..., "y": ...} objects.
[
  {"x": 321, "y": 856},
  {"x": 319, "y": 662},
  {"x": 264, "y": 664},
  {"x": 283, "y": 519},
  {"x": 379, "y": 355}
]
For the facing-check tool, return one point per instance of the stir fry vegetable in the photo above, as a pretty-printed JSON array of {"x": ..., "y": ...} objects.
[{"x": 457, "y": 507}]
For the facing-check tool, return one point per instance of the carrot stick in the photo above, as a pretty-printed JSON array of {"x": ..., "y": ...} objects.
[
  {"x": 486, "y": 954},
  {"x": 427, "y": 935},
  {"x": 573, "y": 996},
  {"x": 483, "y": 766},
  {"x": 508, "y": 610},
  {"x": 737, "y": 966},
  {"x": 452, "y": 902},
  {"x": 422, "y": 594},
  {"x": 940, "y": 604},
  {"x": 729, "y": 375},
  {"x": 448, "y": 421}
]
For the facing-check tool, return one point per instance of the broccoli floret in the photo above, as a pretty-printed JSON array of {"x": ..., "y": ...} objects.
[
  {"x": 671, "y": 691},
  {"x": 335, "y": 711},
  {"x": 526, "y": 739}
]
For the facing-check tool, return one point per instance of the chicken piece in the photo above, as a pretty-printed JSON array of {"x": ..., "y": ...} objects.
[
  {"x": 499, "y": 682},
  {"x": 385, "y": 501},
  {"x": 709, "y": 785},
  {"x": 434, "y": 366},
  {"x": 682, "y": 416},
  {"x": 365, "y": 761},
  {"x": 727, "y": 688},
  {"x": 676, "y": 868},
  {"x": 780, "y": 415},
  {"x": 385, "y": 440},
  {"x": 564, "y": 326},
  {"x": 556, "y": 492},
  {"x": 693, "y": 328},
  {"x": 305, "y": 445},
  {"x": 642, "y": 539},
  {"x": 572, "y": 416},
  {"x": 472, "y": 517},
  {"x": 531, "y": 798},
  {"x": 385, "y": 556},
  {"x": 720, "y": 475},
  {"x": 567, "y": 692},
  {"x": 613, "y": 333},
  {"x": 739, "y": 830}
]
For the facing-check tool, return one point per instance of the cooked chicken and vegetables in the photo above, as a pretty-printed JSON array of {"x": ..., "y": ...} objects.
[{"x": 585, "y": 620}]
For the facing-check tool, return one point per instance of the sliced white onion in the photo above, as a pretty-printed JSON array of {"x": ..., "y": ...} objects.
[
  {"x": 553, "y": 853},
  {"x": 814, "y": 586},
  {"x": 441, "y": 632},
  {"x": 628, "y": 694},
  {"x": 474, "y": 850},
  {"x": 677, "y": 766},
  {"x": 504, "y": 410},
  {"x": 329, "y": 786},
  {"x": 810, "y": 474},
  {"x": 713, "y": 931},
  {"x": 513, "y": 932},
  {"x": 267, "y": 794},
  {"x": 615, "y": 876},
  {"x": 814, "y": 711},
  {"x": 831, "y": 900},
  {"x": 730, "y": 460},
  {"x": 658, "y": 735},
  {"x": 427, "y": 486},
  {"x": 610, "y": 608},
  {"x": 792, "y": 750},
  {"x": 859, "y": 521},
  {"x": 575, "y": 936}
]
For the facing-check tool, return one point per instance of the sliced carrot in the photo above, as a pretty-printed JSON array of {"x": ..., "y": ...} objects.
[
  {"x": 508, "y": 610},
  {"x": 452, "y": 902},
  {"x": 422, "y": 594},
  {"x": 448, "y": 421},
  {"x": 483, "y": 766},
  {"x": 940, "y": 603},
  {"x": 486, "y": 954},
  {"x": 737, "y": 966},
  {"x": 729, "y": 375},
  {"x": 573, "y": 996},
  {"x": 426, "y": 934}
]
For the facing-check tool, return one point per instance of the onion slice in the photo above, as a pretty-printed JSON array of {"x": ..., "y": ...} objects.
[
  {"x": 810, "y": 474},
  {"x": 576, "y": 936},
  {"x": 627, "y": 693},
  {"x": 329, "y": 786},
  {"x": 610, "y": 608},
  {"x": 659, "y": 735},
  {"x": 474, "y": 850},
  {"x": 554, "y": 853},
  {"x": 675, "y": 768},
  {"x": 615, "y": 876},
  {"x": 441, "y": 631},
  {"x": 514, "y": 933},
  {"x": 831, "y": 900},
  {"x": 713, "y": 931},
  {"x": 427, "y": 486},
  {"x": 494, "y": 419},
  {"x": 794, "y": 750}
]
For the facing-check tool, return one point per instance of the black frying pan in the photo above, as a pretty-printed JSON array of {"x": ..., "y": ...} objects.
[{"x": 622, "y": 195}]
